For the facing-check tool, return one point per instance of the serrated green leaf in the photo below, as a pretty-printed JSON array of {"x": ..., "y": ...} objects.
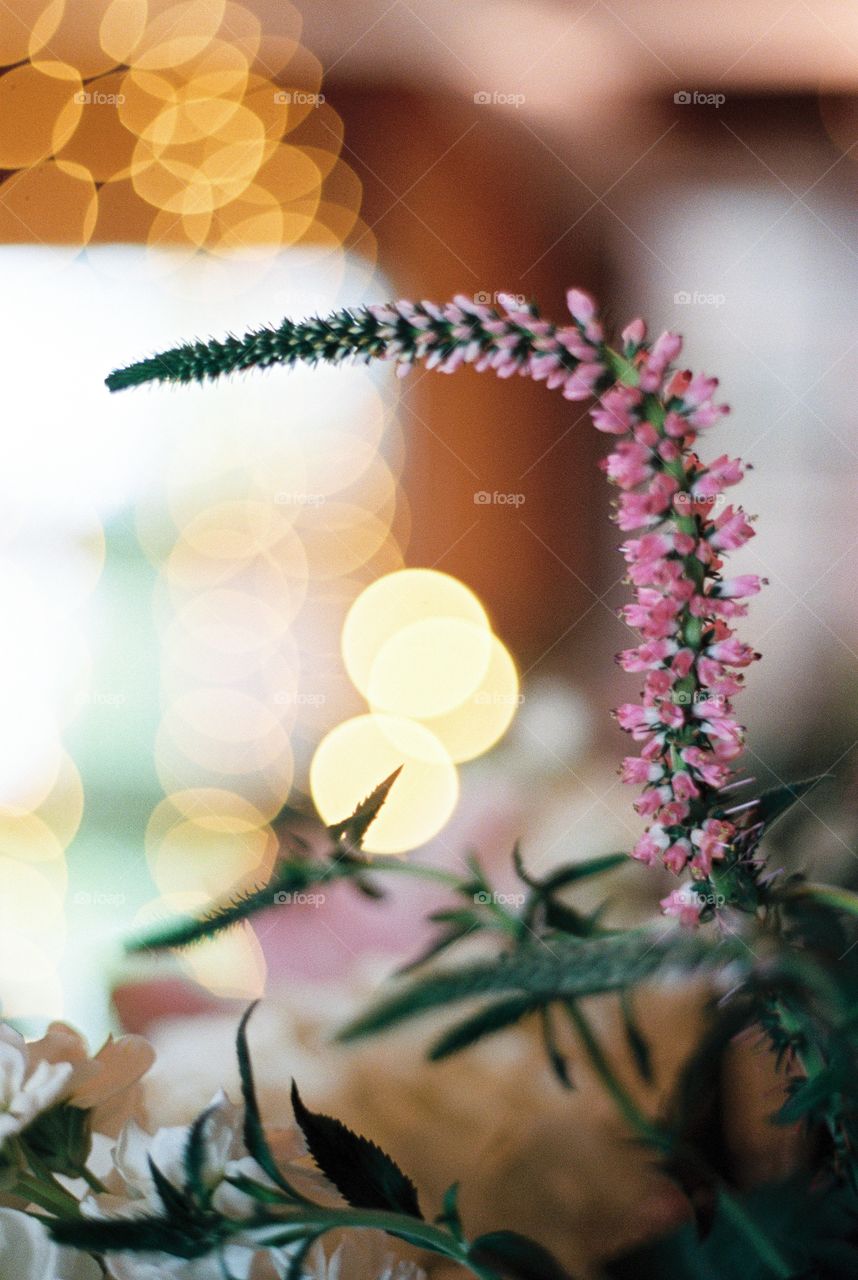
[
  {"x": 363, "y": 1174},
  {"x": 516, "y": 1256},
  {"x": 352, "y": 830},
  {"x": 556, "y": 968},
  {"x": 494, "y": 1017}
]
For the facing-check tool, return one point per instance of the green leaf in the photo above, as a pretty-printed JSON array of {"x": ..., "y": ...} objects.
[
  {"x": 807, "y": 1096},
  {"x": 435, "y": 948},
  {"x": 254, "y": 1133},
  {"x": 352, "y": 830},
  {"x": 449, "y": 1216},
  {"x": 578, "y": 871},
  {"x": 362, "y": 1173},
  {"x": 494, "y": 1017},
  {"x": 194, "y": 1157},
  {"x": 775, "y": 802},
  {"x": 60, "y": 1138},
  {"x": 176, "y": 1203},
  {"x": 186, "y": 1239},
  {"x": 296, "y": 1264},
  {"x": 516, "y": 1256},
  {"x": 638, "y": 1045},
  {"x": 555, "y": 968}
]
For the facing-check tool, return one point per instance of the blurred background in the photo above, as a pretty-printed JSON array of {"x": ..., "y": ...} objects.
[{"x": 193, "y": 638}]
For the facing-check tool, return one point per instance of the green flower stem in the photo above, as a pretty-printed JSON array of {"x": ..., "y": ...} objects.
[
  {"x": 655, "y": 1136},
  {"x": 827, "y": 895},
  {"x": 744, "y": 1225},
  {"x": 423, "y": 1234},
  {"x": 47, "y": 1195},
  {"x": 626, "y": 1105}
]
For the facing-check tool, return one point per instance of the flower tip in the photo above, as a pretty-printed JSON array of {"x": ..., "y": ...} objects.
[{"x": 582, "y": 305}]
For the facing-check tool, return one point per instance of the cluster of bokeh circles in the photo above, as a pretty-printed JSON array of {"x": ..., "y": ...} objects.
[
  {"x": 190, "y": 124},
  {"x": 45, "y": 661},
  {"x": 271, "y": 521},
  {"x": 197, "y": 131},
  {"x": 441, "y": 689}
]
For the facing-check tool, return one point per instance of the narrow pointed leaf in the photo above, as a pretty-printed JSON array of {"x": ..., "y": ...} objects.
[
  {"x": 352, "y": 830},
  {"x": 516, "y": 1257},
  {"x": 493, "y": 1018}
]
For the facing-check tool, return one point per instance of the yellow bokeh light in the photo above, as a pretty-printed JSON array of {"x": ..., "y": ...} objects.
[
  {"x": 396, "y": 601},
  {"x": 31, "y": 979},
  {"x": 49, "y": 204},
  {"x": 28, "y": 28},
  {"x": 176, "y": 35},
  {"x": 39, "y": 111},
  {"x": 473, "y": 727},
  {"x": 429, "y": 667},
  {"x": 360, "y": 753},
  {"x": 231, "y": 966},
  {"x": 122, "y": 27},
  {"x": 31, "y": 905},
  {"x": 202, "y": 858}
]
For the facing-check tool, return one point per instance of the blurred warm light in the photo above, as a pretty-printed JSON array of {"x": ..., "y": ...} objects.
[
  {"x": 359, "y": 753},
  {"x": 231, "y": 966},
  {"x": 39, "y": 111},
  {"x": 32, "y": 987},
  {"x": 429, "y": 667},
  {"x": 474, "y": 726},
  {"x": 393, "y": 603},
  {"x": 196, "y": 132}
]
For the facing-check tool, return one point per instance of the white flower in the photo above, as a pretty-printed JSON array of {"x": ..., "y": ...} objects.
[
  {"x": 35, "y": 1076},
  {"x": 131, "y": 1192},
  {"x": 360, "y": 1255},
  {"x": 26, "y": 1090},
  {"x": 27, "y": 1253}
]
